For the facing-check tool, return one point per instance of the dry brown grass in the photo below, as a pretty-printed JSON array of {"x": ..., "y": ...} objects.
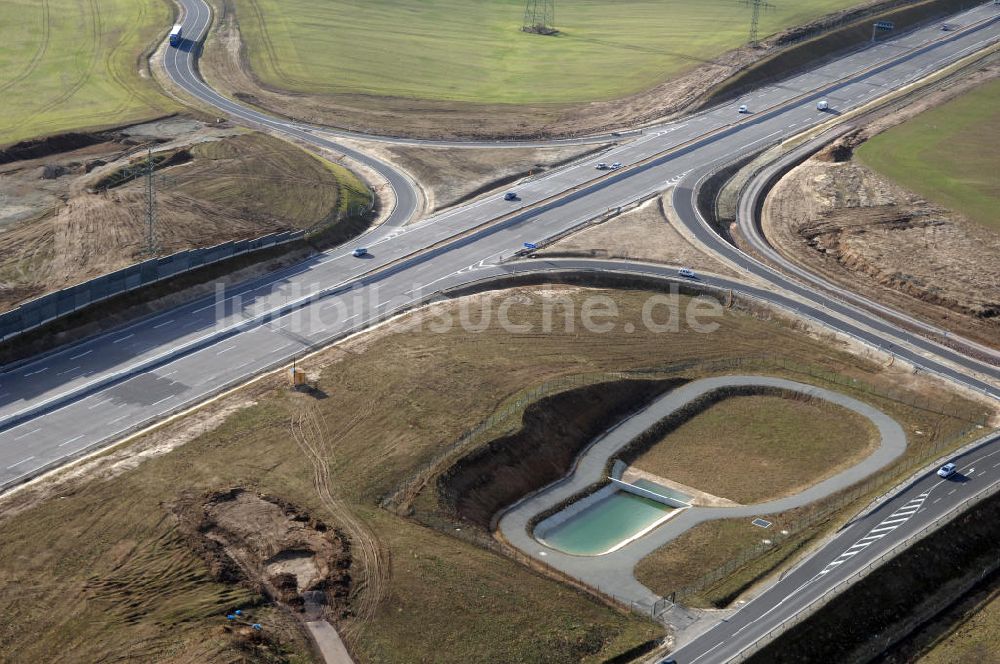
[
  {"x": 646, "y": 233},
  {"x": 449, "y": 176},
  {"x": 975, "y": 640},
  {"x": 750, "y": 449},
  {"x": 238, "y": 187},
  {"x": 858, "y": 229},
  {"x": 394, "y": 399}
]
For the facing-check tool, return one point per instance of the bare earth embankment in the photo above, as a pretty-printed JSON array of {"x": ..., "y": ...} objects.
[
  {"x": 647, "y": 233},
  {"x": 857, "y": 228},
  {"x": 65, "y": 218}
]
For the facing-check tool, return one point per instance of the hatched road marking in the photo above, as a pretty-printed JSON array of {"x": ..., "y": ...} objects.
[{"x": 883, "y": 528}]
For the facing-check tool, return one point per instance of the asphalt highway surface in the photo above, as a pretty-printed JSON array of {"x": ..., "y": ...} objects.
[
  {"x": 749, "y": 222},
  {"x": 853, "y": 548},
  {"x": 105, "y": 379},
  {"x": 79, "y": 398}
]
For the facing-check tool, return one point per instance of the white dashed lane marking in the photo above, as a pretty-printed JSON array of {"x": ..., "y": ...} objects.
[{"x": 887, "y": 525}]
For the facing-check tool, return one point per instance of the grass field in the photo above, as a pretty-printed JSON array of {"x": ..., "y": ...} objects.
[
  {"x": 704, "y": 548},
  {"x": 99, "y": 568},
  {"x": 475, "y": 52},
  {"x": 752, "y": 448},
  {"x": 715, "y": 545},
  {"x": 69, "y": 64},
  {"x": 949, "y": 154},
  {"x": 269, "y": 178},
  {"x": 976, "y": 640}
]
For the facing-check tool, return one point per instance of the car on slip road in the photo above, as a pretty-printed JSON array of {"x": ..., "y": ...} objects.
[{"x": 947, "y": 470}]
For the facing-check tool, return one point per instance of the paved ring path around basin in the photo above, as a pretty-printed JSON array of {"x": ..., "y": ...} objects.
[{"x": 613, "y": 572}]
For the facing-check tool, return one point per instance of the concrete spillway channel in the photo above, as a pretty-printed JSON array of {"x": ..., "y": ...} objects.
[{"x": 606, "y": 550}]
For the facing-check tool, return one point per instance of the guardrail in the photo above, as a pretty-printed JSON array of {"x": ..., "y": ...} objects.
[
  {"x": 841, "y": 586},
  {"x": 49, "y": 307},
  {"x": 804, "y": 314},
  {"x": 752, "y": 197}
]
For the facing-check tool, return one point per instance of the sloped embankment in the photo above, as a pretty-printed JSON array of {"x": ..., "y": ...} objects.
[
  {"x": 553, "y": 433},
  {"x": 895, "y": 599}
]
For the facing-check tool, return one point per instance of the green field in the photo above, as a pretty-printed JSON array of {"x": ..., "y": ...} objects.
[
  {"x": 475, "y": 52},
  {"x": 949, "y": 155},
  {"x": 70, "y": 64}
]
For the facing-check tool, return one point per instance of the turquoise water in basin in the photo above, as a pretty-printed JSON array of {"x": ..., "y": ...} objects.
[{"x": 605, "y": 524}]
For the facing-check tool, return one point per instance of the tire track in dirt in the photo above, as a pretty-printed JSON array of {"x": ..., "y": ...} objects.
[
  {"x": 113, "y": 73},
  {"x": 371, "y": 560},
  {"x": 43, "y": 48},
  {"x": 265, "y": 37},
  {"x": 95, "y": 36}
]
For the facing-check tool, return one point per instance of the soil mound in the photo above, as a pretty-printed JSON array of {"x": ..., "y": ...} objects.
[
  {"x": 553, "y": 433},
  {"x": 857, "y": 228},
  {"x": 43, "y": 147},
  {"x": 270, "y": 545}
]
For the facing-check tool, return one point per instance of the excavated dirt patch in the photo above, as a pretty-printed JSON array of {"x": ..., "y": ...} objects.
[
  {"x": 553, "y": 433},
  {"x": 274, "y": 547},
  {"x": 856, "y": 228},
  {"x": 71, "y": 216},
  {"x": 43, "y": 147}
]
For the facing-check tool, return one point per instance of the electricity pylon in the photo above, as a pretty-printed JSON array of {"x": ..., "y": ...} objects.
[
  {"x": 756, "y": 6},
  {"x": 540, "y": 17},
  {"x": 151, "y": 247}
]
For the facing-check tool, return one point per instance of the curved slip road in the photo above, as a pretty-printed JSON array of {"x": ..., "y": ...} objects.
[
  {"x": 751, "y": 202},
  {"x": 826, "y": 82},
  {"x": 853, "y": 319},
  {"x": 181, "y": 66},
  {"x": 63, "y": 404},
  {"x": 613, "y": 571},
  {"x": 829, "y": 81}
]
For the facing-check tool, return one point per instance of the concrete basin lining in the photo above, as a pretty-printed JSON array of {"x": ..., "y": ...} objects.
[{"x": 615, "y": 568}]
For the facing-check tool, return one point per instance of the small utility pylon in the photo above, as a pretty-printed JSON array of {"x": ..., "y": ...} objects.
[
  {"x": 756, "y": 6},
  {"x": 540, "y": 17},
  {"x": 151, "y": 247}
]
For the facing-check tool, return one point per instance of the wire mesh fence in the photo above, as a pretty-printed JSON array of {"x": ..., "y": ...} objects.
[{"x": 756, "y": 559}]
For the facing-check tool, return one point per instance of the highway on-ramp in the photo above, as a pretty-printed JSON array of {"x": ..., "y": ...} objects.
[
  {"x": 81, "y": 397},
  {"x": 852, "y": 550}
]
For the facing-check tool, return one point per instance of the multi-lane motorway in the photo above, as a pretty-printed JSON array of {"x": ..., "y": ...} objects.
[{"x": 84, "y": 396}]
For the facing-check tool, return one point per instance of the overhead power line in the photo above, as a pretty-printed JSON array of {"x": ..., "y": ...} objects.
[{"x": 756, "y": 6}]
